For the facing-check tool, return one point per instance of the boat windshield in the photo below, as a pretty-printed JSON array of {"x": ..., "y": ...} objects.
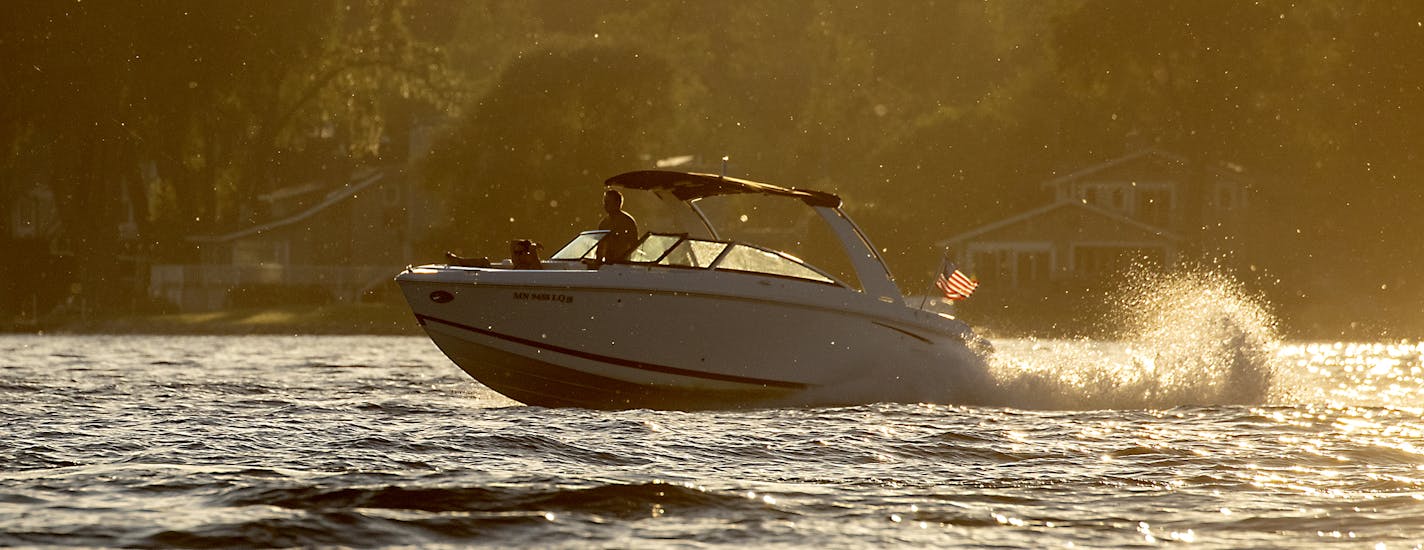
[
  {"x": 694, "y": 253},
  {"x": 741, "y": 257},
  {"x": 682, "y": 251},
  {"x": 653, "y": 247},
  {"x": 583, "y": 247}
]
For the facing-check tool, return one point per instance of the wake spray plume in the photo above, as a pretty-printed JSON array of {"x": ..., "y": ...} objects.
[{"x": 1189, "y": 337}]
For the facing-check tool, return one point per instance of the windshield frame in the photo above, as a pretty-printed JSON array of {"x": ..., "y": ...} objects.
[
  {"x": 587, "y": 254},
  {"x": 728, "y": 247}
]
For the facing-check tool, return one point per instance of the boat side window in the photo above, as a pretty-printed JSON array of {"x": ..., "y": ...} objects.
[
  {"x": 746, "y": 258},
  {"x": 694, "y": 253},
  {"x": 582, "y": 247},
  {"x": 653, "y": 247}
]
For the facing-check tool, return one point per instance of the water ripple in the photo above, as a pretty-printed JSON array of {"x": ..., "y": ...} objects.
[{"x": 275, "y": 441}]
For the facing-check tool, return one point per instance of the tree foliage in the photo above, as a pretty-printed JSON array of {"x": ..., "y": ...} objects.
[
  {"x": 177, "y": 115},
  {"x": 931, "y": 117},
  {"x": 526, "y": 160},
  {"x": 219, "y": 100}
]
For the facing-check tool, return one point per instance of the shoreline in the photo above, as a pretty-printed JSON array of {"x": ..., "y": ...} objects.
[{"x": 344, "y": 319}]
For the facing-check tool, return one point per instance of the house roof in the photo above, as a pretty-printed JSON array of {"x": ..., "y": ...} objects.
[
  {"x": 358, "y": 184},
  {"x": 1138, "y": 154},
  {"x": 1042, "y": 210},
  {"x": 1230, "y": 168},
  {"x": 288, "y": 192}
]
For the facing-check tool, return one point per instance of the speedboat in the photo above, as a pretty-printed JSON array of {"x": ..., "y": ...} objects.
[{"x": 689, "y": 320}]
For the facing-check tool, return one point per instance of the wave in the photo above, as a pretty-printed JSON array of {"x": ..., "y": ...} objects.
[
  {"x": 324, "y": 529},
  {"x": 615, "y": 500},
  {"x": 548, "y": 448}
]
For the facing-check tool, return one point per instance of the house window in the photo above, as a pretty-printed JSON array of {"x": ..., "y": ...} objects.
[
  {"x": 1031, "y": 267},
  {"x": 1155, "y": 206},
  {"x": 1108, "y": 196},
  {"x": 1012, "y": 265},
  {"x": 985, "y": 266},
  {"x": 1225, "y": 198},
  {"x": 26, "y": 215}
]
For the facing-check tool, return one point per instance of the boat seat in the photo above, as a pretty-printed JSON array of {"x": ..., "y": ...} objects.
[
  {"x": 524, "y": 254},
  {"x": 461, "y": 261}
]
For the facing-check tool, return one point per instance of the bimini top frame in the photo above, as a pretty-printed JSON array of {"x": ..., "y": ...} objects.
[{"x": 688, "y": 187}]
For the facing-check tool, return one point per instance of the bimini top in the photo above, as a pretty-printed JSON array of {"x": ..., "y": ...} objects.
[{"x": 690, "y": 186}]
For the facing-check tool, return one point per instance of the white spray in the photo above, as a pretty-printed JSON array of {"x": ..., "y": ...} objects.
[{"x": 1192, "y": 337}]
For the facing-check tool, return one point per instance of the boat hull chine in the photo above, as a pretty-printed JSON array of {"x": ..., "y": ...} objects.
[{"x": 534, "y": 376}]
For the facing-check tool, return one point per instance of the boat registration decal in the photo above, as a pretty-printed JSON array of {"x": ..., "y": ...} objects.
[{"x": 544, "y": 297}]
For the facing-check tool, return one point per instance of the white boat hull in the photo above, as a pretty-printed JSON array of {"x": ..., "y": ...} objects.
[{"x": 651, "y": 337}]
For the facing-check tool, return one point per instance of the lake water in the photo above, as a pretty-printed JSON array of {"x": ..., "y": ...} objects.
[{"x": 372, "y": 441}]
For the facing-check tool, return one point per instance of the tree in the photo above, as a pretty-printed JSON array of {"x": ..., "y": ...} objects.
[
  {"x": 194, "y": 121},
  {"x": 528, "y": 159}
]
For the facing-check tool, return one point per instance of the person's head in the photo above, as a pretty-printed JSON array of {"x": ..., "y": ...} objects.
[{"x": 612, "y": 201}]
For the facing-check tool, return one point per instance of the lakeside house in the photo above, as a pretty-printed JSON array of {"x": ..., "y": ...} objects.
[
  {"x": 1149, "y": 206},
  {"x": 31, "y": 240},
  {"x": 317, "y": 244},
  {"x": 41, "y": 276}
]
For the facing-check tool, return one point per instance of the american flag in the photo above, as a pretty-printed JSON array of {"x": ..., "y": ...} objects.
[{"x": 955, "y": 285}]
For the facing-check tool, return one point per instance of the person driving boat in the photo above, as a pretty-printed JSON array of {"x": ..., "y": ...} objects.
[{"x": 622, "y": 229}]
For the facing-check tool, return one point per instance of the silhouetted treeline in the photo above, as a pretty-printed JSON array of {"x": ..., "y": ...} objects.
[{"x": 929, "y": 117}]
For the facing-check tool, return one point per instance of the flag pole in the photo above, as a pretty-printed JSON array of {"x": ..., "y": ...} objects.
[{"x": 943, "y": 257}]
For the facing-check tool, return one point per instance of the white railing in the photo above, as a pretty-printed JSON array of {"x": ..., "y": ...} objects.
[{"x": 198, "y": 287}]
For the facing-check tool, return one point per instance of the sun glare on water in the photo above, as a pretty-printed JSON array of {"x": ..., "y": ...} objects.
[{"x": 1363, "y": 374}]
